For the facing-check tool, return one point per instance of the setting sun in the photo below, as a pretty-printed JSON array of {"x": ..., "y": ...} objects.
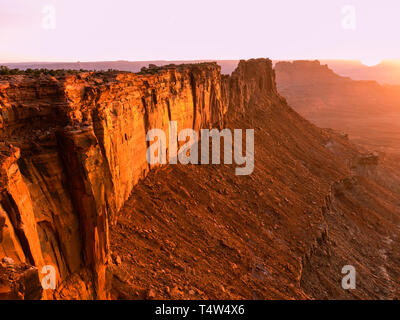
[{"x": 371, "y": 62}]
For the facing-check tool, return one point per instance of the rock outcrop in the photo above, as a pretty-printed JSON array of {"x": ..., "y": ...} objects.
[
  {"x": 251, "y": 80},
  {"x": 19, "y": 281}
]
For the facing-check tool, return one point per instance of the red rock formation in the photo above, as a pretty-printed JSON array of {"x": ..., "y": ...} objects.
[
  {"x": 19, "y": 281},
  {"x": 313, "y": 204},
  {"x": 74, "y": 147},
  {"x": 252, "y": 79}
]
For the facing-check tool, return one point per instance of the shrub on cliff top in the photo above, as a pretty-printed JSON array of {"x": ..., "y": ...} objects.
[
  {"x": 7, "y": 71},
  {"x": 4, "y": 70}
]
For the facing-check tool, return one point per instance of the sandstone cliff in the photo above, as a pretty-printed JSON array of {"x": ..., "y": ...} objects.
[
  {"x": 251, "y": 80},
  {"x": 72, "y": 149}
]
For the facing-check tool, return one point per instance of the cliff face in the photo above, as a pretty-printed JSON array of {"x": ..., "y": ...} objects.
[
  {"x": 73, "y": 148},
  {"x": 252, "y": 79}
]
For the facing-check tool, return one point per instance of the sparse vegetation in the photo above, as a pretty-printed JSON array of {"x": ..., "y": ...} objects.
[
  {"x": 4, "y": 70},
  {"x": 7, "y": 71}
]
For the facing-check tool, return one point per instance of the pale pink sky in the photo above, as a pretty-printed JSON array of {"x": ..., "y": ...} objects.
[{"x": 89, "y": 30}]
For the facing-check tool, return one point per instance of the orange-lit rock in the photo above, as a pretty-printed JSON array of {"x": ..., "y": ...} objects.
[
  {"x": 72, "y": 150},
  {"x": 18, "y": 281}
]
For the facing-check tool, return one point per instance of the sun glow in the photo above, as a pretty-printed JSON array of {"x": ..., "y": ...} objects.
[{"x": 370, "y": 62}]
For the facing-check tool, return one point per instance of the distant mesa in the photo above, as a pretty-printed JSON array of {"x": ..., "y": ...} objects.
[{"x": 367, "y": 110}]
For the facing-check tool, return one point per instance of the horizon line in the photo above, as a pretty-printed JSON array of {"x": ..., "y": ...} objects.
[{"x": 192, "y": 59}]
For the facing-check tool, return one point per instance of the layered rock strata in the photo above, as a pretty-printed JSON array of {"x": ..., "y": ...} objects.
[{"x": 72, "y": 149}]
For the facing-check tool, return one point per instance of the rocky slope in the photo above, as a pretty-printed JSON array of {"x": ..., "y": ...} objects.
[{"x": 75, "y": 183}]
